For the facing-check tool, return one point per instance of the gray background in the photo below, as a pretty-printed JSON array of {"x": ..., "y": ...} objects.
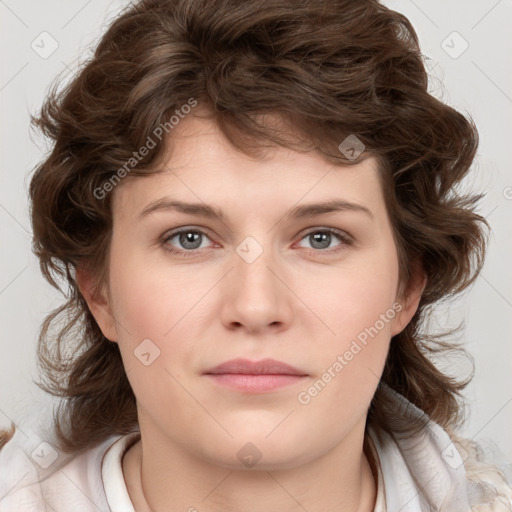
[{"x": 475, "y": 80}]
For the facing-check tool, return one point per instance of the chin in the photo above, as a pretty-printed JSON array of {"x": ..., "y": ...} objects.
[{"x": 250, "y": 450}]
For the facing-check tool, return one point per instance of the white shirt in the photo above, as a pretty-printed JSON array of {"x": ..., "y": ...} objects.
[{"x": 414, "y": 474}]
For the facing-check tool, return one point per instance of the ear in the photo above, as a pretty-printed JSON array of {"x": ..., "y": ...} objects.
[
  {"x": 98, "y": 303},
  {"x": 410, "y": 298}
]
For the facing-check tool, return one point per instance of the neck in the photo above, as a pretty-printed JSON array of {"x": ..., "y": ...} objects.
[{"x": 171, "y": 479}]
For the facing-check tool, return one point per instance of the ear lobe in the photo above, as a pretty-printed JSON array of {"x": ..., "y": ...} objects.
[
  {"x": 98, "y": 303},
  {"x": 410, "y": 299}
]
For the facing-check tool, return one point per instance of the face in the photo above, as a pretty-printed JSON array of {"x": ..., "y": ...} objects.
[{"x": 222, "y": 258}]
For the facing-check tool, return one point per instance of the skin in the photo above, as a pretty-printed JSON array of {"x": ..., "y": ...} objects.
[{"x": 298, "y": 302}]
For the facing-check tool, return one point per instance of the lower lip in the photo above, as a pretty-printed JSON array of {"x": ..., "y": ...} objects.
[{"x": 254, "y": 383}]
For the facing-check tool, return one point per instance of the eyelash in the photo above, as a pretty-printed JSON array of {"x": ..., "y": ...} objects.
[{"x": 345, "y": 239}]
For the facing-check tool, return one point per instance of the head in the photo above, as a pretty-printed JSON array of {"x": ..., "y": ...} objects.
[{"x": 256, "y": 110}]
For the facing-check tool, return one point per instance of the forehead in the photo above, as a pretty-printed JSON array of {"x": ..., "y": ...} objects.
[{"x": 201, "y": 165}]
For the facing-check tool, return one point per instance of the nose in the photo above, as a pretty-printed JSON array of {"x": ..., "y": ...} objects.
[{"x": 256, "y": 295}]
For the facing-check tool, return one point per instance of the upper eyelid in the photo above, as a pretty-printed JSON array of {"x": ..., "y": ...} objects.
[
  {"x": 173, "y": 232},
  {"x": 344, "y": 237}
]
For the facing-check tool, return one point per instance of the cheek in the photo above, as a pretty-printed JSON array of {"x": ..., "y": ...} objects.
[
  {"x": 153, "y": 299},
  {"x": 349, "y": 363},
  {"x": 359, "y": 306},
  {"x": 354, "y": 298},
  {"x": 150, "y": 309},
  {"x": 162, "y": 304},
  {"x": 150, "y": 299}
]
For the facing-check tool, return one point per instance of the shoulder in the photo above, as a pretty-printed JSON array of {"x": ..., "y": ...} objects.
[
  {"x": 429, "y": 467},
  {"x": 489, "y": 474},
  {"x": 34, "y": 475}
]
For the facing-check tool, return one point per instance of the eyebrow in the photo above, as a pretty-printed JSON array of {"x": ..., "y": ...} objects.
[{"x": 208, "y": 211}]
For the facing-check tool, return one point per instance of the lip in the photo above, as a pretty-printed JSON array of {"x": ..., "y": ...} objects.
[{"x": 255, "y": 376}]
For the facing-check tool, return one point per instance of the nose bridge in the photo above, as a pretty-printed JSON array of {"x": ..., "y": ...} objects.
[{"x": 252, "y": 261}]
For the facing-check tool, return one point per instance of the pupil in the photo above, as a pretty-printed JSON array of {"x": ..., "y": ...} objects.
[
  {"x": 321, "y": 238},
  {"x": 188, "y": 240}
]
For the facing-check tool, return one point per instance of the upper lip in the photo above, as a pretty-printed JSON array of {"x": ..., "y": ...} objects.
[{"x": 263, "y": 367}]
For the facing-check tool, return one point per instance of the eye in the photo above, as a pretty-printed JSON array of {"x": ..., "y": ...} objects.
[
  {"x": 185, "y": 240},
  {"x": 321, "y": 239}
]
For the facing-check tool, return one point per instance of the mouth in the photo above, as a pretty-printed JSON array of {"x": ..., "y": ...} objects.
[{"x": 255, "y": 376}]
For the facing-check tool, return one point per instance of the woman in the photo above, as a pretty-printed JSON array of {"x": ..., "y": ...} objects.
[{"x": 254, "y": 206}]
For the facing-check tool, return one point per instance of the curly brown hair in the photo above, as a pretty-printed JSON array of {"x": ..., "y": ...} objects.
[{"x": 329, "y": 69}]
